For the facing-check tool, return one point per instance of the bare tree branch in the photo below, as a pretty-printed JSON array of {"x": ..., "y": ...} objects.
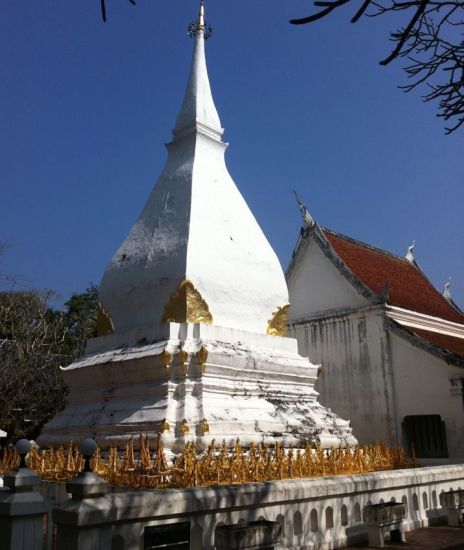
[
  {"x": 429, "y": 42},
  {"x": 103, "y": 8},
  {"x": 35, "y": 341}
]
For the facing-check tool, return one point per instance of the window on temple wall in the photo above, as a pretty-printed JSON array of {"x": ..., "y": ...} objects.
[{"x": 427, "y": 434}]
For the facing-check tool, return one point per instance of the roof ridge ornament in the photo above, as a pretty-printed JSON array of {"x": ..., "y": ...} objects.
[
  {"x": 410, "y": 253},
  {"x": 200, "y": 25},
  {"x": 447, "y": 290},
  {"x": 308, "y": 221}
]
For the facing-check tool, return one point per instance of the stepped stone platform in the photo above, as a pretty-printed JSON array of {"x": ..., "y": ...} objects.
[{"x": 201, "y": 383}]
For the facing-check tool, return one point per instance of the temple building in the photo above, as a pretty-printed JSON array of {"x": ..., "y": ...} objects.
[
  {"x": 391, "y": 346},
  {"x": 193, "y": 312}
]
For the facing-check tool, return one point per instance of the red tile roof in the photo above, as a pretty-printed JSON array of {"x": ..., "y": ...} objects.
[
  {"x": 450, "y": 343},
  {"x": 408, "y": 287}
]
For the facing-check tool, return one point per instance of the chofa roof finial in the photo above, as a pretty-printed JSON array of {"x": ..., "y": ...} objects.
[
  {"x": 308, "y": 221},
  {"x": 409, "y": 254},
  {"x": 447, "y": 290}
]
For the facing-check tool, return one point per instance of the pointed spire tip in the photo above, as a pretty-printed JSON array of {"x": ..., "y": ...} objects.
[
  {"x": 201, "y": 15},
  {"x": 200, "y": 27}
]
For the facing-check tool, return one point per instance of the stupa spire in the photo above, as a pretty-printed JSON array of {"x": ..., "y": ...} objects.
[
  {"x": 198, "y": 112},
  {"x": 196, "y": 253},
  {"x": 195, "y": 304},
  {"x": 201, "y": 15}
]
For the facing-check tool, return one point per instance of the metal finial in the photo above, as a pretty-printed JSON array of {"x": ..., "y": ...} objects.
[
  {"x": 200, "y": 26},
  {"x": 308, "y": 221},
  {"x": 447, "y": 290},
  {"x": 410, "y": 253},
  {"x": 23, "y": 446},
  {"x": 201, "y": 15}
]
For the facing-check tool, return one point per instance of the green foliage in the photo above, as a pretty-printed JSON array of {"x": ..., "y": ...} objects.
[
  {"x": 35, "y": 341},
  {"x": 81, "y": 319}
]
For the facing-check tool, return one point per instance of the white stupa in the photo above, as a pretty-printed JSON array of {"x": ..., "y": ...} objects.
[{"x": 193, "y": 314}]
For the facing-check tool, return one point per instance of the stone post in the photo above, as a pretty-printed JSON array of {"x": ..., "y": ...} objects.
[
  {"x": 453, "y": 503},
  {"x": 88, "y": 501},
  {"x": 387, "y": 516},
  {"x": 21, "y": 508}
]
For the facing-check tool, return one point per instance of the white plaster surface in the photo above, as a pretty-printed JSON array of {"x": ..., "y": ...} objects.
[
  {"x": 301, "y": 506},
  {"x": 133, "y": 339},
  {"x": 316, "y": 285},
  {"x": 195, "y": 225},
  {"x": 414, "y": 319},
  {"x": 371, "y": 374},
  {"x": 355, "y": 380},
  {"x": 427, "y": 378},
  {"x": 198, "y": 105},
  {"x": 260, "y": 394}
]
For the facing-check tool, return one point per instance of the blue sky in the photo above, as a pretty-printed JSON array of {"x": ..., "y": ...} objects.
[{"x": 85, "y": 108}]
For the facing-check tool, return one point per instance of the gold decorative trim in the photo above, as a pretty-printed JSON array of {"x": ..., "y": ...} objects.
[
  {"x": 166, "y": 358},
  {"x": 184, "y": 359},
  {"x": 105, "y": 325},
  {"x": 204, "y": 427},
  {"x": 184, "y": 427},
  {"x": 277, "y": 325},
  {"x": 202, "y": 358},
  {"x": 186, "y": 305},
  {"x": 164, "y": 427}
]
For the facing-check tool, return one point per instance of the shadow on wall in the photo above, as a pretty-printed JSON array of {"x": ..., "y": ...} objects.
[{"x": 337, "y": 520}]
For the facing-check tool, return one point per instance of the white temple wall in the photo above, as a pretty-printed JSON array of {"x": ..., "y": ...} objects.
[
  {"x": 423, "y": 387},
  {"x": 356, "y": 380},
  {"x": 315, "y": 285}
]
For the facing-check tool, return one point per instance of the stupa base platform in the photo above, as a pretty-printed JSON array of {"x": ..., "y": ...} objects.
[{"x": 197, "y": 383}]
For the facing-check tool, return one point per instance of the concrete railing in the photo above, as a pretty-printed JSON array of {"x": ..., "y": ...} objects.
[
  {"x": 453, "y": 503},
  {"x": 313, "y": 513}
]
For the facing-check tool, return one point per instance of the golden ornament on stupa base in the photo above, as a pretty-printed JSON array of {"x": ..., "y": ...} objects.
[
  {"x": 186, "y": 305},
  {"x": 141, "y": 464},
  {"x": 277, "y": 325}
]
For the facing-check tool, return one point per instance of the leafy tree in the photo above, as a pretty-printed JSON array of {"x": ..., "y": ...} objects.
[
  {"x": 431, "y": 40},
  {"x": 81, "y": 319},
  {"x": 35, "y": 340}
]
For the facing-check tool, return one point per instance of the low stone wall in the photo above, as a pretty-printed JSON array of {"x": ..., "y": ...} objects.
[{"x": 315, "y": 513}]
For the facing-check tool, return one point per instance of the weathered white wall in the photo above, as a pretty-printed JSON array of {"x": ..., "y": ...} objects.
[
  {"x": 229, "y": 259},
  {"x": 258, "y": 394},
  {"x": 422, "y": 386},
  {"x": 195, "y": 225},
  {"x": 356, "y": 380},
  {"x": 315, "y": 285},
  {"x": 301, "y": 506}
]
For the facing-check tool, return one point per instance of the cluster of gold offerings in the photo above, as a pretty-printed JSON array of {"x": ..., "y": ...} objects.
[{"x": 217, "y": 466}]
